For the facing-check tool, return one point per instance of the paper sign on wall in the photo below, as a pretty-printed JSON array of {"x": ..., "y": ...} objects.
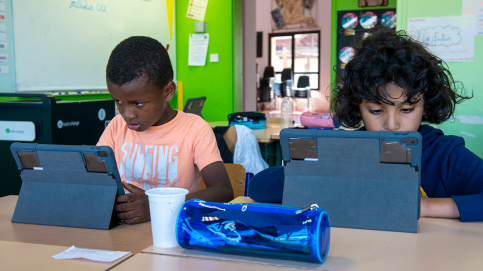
[
  {"x": 3, "y": 58},
  {"x": 197, "y": 9},
  {"x": 198, "y": 49},
  {"x": 474, "y": 7},
  {"x": 4, "y": 70},
  {"x": 451, "y": 38}
]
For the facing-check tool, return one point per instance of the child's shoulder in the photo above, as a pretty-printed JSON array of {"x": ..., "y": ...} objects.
[
  {"x": 191, "y": 126},
  {"x": 190, "y": 119},
  {"x": 435, "y": 138}
]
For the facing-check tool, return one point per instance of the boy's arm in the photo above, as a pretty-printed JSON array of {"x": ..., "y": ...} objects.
[
  {"x": 439, "y": 207},
  {"x": 463, "y": 181},
  {"x": 218, "y": 186},
  {"x": 133, "y": 207}
]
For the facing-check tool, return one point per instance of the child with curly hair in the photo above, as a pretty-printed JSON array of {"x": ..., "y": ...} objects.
[{"x": 394, "y": 84}]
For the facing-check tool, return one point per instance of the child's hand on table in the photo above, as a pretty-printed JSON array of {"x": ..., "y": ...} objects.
[
  {"x": 439, "y": 207},
  {"x": 133, "y": 207}
]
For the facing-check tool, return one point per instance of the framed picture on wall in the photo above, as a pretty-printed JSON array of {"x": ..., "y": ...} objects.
[{"x": 293, "y": 14}]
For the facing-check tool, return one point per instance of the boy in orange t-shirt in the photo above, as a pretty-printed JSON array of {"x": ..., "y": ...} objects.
[{"x": 155, "y": 145}]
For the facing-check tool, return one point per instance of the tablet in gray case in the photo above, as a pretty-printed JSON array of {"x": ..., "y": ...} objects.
[
  {"x": 62, "y": 185},
  {"x": 194, "y": 105},
  {"x": 363, "y": 179}
]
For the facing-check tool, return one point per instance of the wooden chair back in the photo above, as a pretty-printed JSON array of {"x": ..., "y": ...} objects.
[{"x": 237, "y": 175}]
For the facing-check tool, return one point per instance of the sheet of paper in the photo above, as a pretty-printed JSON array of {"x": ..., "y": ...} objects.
[
  {"x": 90, "y": 254},
  {"x": 197, "y": 9},
  {"x": 198, "y": 49},
  {"x": 474, "y": 7},
  {"x": 451, "y": 38},
  {"x": 4, "y": 70}
]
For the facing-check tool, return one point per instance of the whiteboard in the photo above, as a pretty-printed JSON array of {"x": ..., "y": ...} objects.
[{"x": 64, "y": 44}]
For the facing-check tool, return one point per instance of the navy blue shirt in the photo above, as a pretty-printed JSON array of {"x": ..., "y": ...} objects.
[{"x": 448, "y": 169}]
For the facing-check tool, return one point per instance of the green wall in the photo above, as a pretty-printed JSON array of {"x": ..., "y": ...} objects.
[
  {"x": 216, "y": 79},
  {"x": 468, "y": 118}
]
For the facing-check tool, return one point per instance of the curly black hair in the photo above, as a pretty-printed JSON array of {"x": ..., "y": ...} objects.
[
  {"x": 386, "y": 56},
  {"x": 139, "y": 56}
]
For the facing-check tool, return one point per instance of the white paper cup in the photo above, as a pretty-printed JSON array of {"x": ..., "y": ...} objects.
[{"x": 164, "y": 206}]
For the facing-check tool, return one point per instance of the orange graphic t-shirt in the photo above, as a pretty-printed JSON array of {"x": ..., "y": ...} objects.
[{"x": 169, "y": 155}]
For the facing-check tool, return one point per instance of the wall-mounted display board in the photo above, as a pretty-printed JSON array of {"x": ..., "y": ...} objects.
[
  {"x": 353, "y": 25},
  {"x": 7, "y": 68},
  {"x": 64, "y": 45}
]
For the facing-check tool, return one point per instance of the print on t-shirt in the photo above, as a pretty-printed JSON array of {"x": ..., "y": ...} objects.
[{"x": 149, "y": 166}]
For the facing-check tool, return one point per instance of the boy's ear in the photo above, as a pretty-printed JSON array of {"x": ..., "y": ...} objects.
[{"x": 169, "y": 91}]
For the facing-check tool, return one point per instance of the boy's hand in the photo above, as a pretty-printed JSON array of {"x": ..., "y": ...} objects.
[{"x": 132, "y": 208}]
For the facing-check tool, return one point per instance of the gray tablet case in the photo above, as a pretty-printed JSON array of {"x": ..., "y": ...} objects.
[
  {"x": 364, "y": 180},
  {"x": 194, "y": 105},
  {"x": 73, "y": 186}
]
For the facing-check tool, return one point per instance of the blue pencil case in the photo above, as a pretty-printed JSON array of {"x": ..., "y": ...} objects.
[{"x": 262, "y": 230}]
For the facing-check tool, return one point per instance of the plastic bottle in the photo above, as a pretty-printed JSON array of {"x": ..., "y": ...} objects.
[
  {"x": 271, "y": 84},
  {"x": 273, "y": 95},
  {"x": 286, "y": 116},
  {"x": 288, "y": 88}
]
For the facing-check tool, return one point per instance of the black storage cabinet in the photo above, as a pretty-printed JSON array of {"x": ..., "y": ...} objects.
[{"x": 56, "y": 122}]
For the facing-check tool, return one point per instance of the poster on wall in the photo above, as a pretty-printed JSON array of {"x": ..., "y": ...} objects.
[
  {"x": 474, "y": 7},
  {"x": 353, "y": 26},
  {"x": 197, "y": 9},
  {"x": 289, "y": 14},
  {"x": 451, "y": 38}
]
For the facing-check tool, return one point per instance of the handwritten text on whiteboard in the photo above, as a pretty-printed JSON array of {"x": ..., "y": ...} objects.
[{"x": 88, "y": 5}]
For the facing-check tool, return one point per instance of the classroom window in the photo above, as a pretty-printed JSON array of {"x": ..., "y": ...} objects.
[{"x": 298, "y": 51}]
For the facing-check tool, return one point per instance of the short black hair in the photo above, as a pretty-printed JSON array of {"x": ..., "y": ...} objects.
[
  {"x": 384, "y": 57},
  {"x": 139, "y": 56}
]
